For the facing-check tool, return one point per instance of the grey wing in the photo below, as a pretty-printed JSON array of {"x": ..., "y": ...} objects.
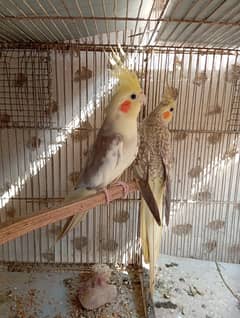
[
  {"x": 167, "y": 196},
  {"x": 141, "y": 169},
  {"x": 105, "y": 156},
  {"x": 144, "y": 149},
  {"x": 166, "y": 156}
]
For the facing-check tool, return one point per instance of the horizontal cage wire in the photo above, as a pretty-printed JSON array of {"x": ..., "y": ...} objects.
[
  {"x": 181, "y": 23},
  {"x": 47, "y": 21},
  {"x": 39, "y": 166}
]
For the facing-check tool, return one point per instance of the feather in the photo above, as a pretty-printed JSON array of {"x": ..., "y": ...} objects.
[
  {"x": 127, "y": 79},
  {"x": 148, "y": 196},
  {"x": 105, "y": 158},
  {"x": 77, "y": 194},
  {"x": 167, "y": 195},
  {"x": 153, "y": 174},
  {"x": 150, "y": 231},
  {"x": 116, "y": 146}
]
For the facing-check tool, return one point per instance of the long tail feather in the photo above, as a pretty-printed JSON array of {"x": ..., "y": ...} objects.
[
  {"x": 148, "y": 196},
  {"x": 74, "y": 220},
  {"x": 150, "y": 231},
  {"x": 70, "y": 224}
]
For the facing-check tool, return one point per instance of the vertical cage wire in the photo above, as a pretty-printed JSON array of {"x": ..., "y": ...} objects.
[{"x": 37, "y": 173}]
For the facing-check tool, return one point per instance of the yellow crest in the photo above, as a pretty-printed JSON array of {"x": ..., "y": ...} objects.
[{"x": 127, "y": 79}]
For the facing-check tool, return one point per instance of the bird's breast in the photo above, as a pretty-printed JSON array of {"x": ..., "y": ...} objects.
[{"x": 130, "y": 149}]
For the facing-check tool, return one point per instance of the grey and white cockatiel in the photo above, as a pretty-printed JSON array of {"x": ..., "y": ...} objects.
[
  {"x": 153, "y": 168},
  {"x": 116, "y": 144}
]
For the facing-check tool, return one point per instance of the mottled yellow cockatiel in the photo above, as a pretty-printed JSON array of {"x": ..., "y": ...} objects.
[
  {"x": 153, "y": 168},
  {"x": 116, "y": 145}
]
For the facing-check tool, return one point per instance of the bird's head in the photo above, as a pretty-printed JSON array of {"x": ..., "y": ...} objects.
[
  {"x": 129, "y": 96},
  {"x": 167, "y": 113},
  {"x": 167, "y": 106},
  {"x": 129, "y": 102}
]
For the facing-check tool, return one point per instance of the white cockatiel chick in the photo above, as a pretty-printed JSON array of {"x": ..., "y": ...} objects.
[
  {"x": 116, "y": 145},
  {"x": 97, "y": 291}
]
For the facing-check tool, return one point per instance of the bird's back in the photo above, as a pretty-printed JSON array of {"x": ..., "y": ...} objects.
[{"x": 154, "y": 140}]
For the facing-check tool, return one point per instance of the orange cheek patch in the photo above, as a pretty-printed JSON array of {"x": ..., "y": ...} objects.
[
  {"x": 166, "y": 115},
  {"x": 125, "y": 106}
]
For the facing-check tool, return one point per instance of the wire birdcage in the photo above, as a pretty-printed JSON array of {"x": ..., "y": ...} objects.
[
  {"x": 55, "y": 85},
  {"x": 204, "y": 131}
]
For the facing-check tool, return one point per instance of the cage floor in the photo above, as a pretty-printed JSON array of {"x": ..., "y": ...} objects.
[
  {"x": 185, "y": 288},
  {"x": 48, "y": 292},
  {"x": 188, "y": 288}
]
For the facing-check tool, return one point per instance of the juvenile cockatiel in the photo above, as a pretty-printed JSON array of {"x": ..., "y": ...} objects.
[
  {"x": 97, "y": 291},
  {"x": 116, "y": 145},
  {"x": 153, "y": 168}
]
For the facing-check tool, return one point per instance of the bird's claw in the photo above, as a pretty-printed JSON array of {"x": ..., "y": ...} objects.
[
  {"x": 125, "y": 187},
  {"x": 106, "y": 195}
]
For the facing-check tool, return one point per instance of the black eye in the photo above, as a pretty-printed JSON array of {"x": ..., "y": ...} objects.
[
  {"x": 133, "y": 96},
  {"x": 171, "y": 109}
]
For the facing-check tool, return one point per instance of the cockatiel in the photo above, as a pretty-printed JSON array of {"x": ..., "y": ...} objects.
[
  {"x": 116, "y": 145},
  {"x": 97, "y": 291},
  {"x": 153, "y": 168}
]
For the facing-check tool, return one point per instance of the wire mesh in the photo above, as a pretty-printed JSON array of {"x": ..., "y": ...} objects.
[
  {"x": 234, "y": 120},
  {"x": 25, "y": 89},
  {"x": 205, "y": 206}
]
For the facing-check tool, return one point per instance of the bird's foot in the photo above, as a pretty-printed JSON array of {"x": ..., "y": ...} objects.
[
  {"x": 125, "y": 188},
  {"x": 105, "y": 190}
]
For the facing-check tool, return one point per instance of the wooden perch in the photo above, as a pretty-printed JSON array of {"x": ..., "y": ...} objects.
[{"x": 34, "y": 221}]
